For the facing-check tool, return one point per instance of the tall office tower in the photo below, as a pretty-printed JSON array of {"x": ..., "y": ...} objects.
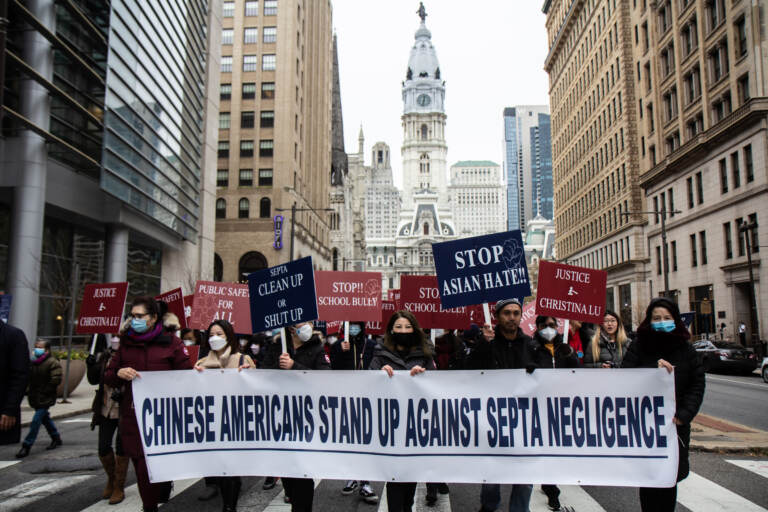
[
  {"x": 107, "y": 114},
  {"x": 542, "y": 200},
  {"x": 703, "y": 105},
  {"x": 274, "y": 135},
  {"x": 522, "y": 150},
  {"x": 595, "y": 157},
  {"x": 477, "y": 198}
]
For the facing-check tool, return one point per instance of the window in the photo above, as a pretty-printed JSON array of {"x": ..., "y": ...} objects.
[
  {"x": 718, "y": 61},
  {"x": 674, "y": 256},
  {"x": 268, "y": 90},
  {"x": 651, "y": 123},
  {"x": 721, "y": 107},
  {"x": 223, "y": 149},
  {"x": 735, "y": 172},
  {"x": 252, "y": 8},
  {"x": 652, "y": 153},
  {"x": 424, "y": 132},
  {"x": 692, "y": 85},
  {"x": 246, "y": 148},
  {"x": 668, "y": 59},
  {"x": 741, "y": 37},
  {"x": 265, "y": 177},
  {"x": 222, "y": 178},
  {"x": 753, "y": 232},
  {"x": 270, "y": 34},
  {"x": 225, "y": 92},
  {"x": 221, "y": 208},
  {"x": 228, "y": 9},
  {"x": 250, "y": 62},
  {"x": 703, "y": 246},
  {"x": 694, "y": 126},
  {"x": 738, "y": 223},
  {"x": 748, "y": 163},
  {"x": 243, "y": 208},
  {"x": 223, "y": 120},
  {"x": 249, "y": 91},
  {"x": 226, "y": 64},
  {"x": 227, "y": 35},
  {"x": 689, "y": 185},
  {"x": 267, "y": 118},
  {"x": 246, "y": 119},
  {"x": 266, "y": 147},
  {"x": 728, "y": 241},
  {"x": 665, "y": 17},
  {"x": 743, "y": 88},
  {"x": 671, "y": 202},
  {"x": 670, "y": 104},
  {"x": 656, "y": 209},
  {"x": 689, "y": 37},
  {"x": 699, "y": 188},
  {"x": 251, "y": 35},
  {"x": 268, "y": 62},
  {"x": 658, "y": 260},
  {"x": 694, "y": 255},
  {"x": 648, "y": 76},
  {"x": 270, "y": 7},
  {"x": 245, "y": 178},
  {"x": 723, "y": 176},
  {"x": 715, "y": 13},
  {"x": 265, "y": 208},
  {"x": 672, "y": 142}
]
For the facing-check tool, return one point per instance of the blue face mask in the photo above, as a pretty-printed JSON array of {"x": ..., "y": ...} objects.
[
  {"x": 139, "y": 325},
  {"x": 354, "y": 330},
  {"x": 664, "y": 326},
  {"x": 38, "y": 352}
]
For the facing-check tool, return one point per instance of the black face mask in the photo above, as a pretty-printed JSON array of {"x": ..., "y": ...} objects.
[{"x": 404, "y": 339}]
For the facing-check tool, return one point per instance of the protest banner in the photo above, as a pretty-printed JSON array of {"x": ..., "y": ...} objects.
[
  {"x": 585, "y": 427},
  {"x": 481, "y": 269},
  {"x": 283, "y": 295},
  {"x": 333, "y": 327},
  {"x": 419, "y": 295},
  {"x": 528, "y": 320},
  {"x": 5, "y": 306},
  {"x": 227, "y": 301},
  {"x": 394, "y": 296},
  {"x": 570, "y": 292},
  {"x": 175, "y": 301},
  {"x": 349, "y": 296},
  {"x": 101, "y": 310},
  {"x": 378, "y": 328},
  {"x": 188, "y": 301}
]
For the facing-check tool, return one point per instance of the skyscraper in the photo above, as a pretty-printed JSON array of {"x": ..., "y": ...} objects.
[{"x": 477, "y": 198}]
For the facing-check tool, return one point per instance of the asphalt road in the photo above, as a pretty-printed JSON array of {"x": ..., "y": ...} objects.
[{"x": 741, "y": 399}]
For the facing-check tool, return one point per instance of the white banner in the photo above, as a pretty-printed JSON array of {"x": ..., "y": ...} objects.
[{"x": 573, "y": 427}]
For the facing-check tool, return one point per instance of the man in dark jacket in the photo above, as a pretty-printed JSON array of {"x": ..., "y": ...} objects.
[
  {"x": 511, "y": 348},
  {"x": 14, "y": 376},
  {"x": 347, "y": 354}
]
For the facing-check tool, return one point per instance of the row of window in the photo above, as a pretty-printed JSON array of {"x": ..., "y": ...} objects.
[
  {"x": 251, "y": 8},
  {"x": 244, "y": 208},
  {"x": 248, "y": 91},
  {"x": 250, "y": 35},
  {"x": 247, "y": 119},
  {"x": 245, "y": 178},
  {"x": 250, "y": 63},
  {"x": 607, "y": 256},
  {"x": 266, "y": 148}
]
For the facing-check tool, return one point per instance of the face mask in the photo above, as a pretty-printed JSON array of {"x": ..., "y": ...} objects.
[
  {"x": 548, "y": 333},
  {"x": 404, "y": 339},
  {"x": 439, "y": 332},
  {"x": 275, "y": 332},
  {"x": 189, "y": 343},
  {"x": 115, "y": 343},
  {"x": 304, "y": 332},
  {"x": 139, "y": 325},
  {"x": 663, "y": 326},
  {"x": 255, "y": 349},
  {"x": 243, "y": 343},
  {"x": 217, "y": 342},
  {"x": 354, "y": 330},
  {"x": 331, "y": 340},
  {"x": 39, "y": 352}
]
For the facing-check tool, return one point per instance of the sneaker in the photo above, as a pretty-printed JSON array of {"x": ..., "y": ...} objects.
[
  {"x": 553, "y": 503},
  {"x": 349, "y": 488},
  {"x": 286, "y": 499},
  {"x": 368, "y": 495},
  {"x": 270, "y": 482}
]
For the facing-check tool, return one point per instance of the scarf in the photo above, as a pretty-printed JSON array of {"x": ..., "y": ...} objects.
[
  {"x": 41, "y": 358},
  {"x": 214, "y": 360},
  {"x": 147, "y": 336}
]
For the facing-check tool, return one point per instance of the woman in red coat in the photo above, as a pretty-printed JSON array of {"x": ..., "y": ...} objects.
[{"x": 147, "y": 343}]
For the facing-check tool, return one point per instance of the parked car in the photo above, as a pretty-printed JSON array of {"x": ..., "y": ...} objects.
[
  {"x": 725, "y": 356},
  {"x": 764, "y": 369}
]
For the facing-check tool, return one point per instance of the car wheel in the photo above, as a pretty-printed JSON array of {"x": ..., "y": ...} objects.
[{"x": 765, "y": 373}]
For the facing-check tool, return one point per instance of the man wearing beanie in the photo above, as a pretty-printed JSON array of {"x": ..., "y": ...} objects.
[{"x": 510, "y": 348}]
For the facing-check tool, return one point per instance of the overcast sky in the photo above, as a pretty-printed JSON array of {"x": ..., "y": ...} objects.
[{"x": 491, "y": 55}]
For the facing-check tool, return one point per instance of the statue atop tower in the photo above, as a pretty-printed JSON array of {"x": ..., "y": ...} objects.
[{"x": 422, "y": 12}]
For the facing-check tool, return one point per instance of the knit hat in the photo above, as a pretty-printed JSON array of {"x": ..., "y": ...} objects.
[{"x": 506, "y": 302}]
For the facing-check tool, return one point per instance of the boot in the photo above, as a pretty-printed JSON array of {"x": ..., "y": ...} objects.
[
  {"x": 108, "y": 461},
  {"x": 55, "y": 443},
  {"x": 121, "y": 470},
  {"x": 230, "y": 493},
  {"x": 23, "y": 451}
]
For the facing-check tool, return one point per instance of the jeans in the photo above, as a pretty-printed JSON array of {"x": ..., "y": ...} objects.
[
  {"x": 41, "y": 417},
  {"x": 519, "y": 498}
]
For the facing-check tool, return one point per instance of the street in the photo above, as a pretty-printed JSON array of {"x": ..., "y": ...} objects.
[{"x": 741, "y": 399}]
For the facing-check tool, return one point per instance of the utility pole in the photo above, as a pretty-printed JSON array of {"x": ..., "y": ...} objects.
[
  {"x": 663, "y": 215},
  {"x": 747, "y": 229},
  {"x": 293, "y": 220}
]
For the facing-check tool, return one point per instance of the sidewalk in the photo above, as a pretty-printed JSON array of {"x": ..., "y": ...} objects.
[
  {"x": 710, "y": 434},
  {"x": 79, "y": 403}
]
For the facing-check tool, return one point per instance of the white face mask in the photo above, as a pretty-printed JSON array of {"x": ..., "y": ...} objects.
[
  {"x": 548, "y": 333},
  {"x": 217, "y": 342},
  {"x": 332, "y": 340},
  {"x": 189, "y": 343},
  {"x": 255, "y": 349},
  {"x": 243, "y": 343},
  {"x": 115, "y": 343},
  {"x": 304, "y": 332}
]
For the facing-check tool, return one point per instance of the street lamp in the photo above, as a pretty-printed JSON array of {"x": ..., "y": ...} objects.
[
  {"x": 663, "y": 214},
  {"x": 747, "y": 228},
  {"x": 293, "y": 218}
]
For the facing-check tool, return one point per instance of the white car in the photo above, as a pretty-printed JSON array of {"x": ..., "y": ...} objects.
[{"x": 764, "y": 369}]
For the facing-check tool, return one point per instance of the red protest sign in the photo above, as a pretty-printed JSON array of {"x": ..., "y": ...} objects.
[
  {"x": 188, "y": 300},
  {"x": 227, "y": 301},
  {"x": 419, "y": 295},
  {"x": 378, "y": 328},
  {"x": 528, "y": 320},
  {"x": 175, "y": 301},
  {"x": 102, "y": 308},
  {"x": 333, "y": 327},
  {"x": 394, "y": 296},
  {"x": 574, "y": 293},
  {"x": 193, "y": 352},
  {"x": 349, "y": 296}
]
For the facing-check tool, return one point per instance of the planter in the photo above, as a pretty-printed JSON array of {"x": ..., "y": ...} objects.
[{"x": 76, "y": 374}]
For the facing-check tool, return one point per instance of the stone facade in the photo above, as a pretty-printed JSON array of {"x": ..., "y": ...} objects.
[{"x": 477, "y": 198}]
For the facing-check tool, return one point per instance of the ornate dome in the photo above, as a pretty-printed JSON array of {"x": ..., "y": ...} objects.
[{"x": 423, "y": 63}]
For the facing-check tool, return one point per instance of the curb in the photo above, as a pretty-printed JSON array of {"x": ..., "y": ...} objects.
[
  {"x": 752, "y": 450},
  {"x": 62, "y": 416}
]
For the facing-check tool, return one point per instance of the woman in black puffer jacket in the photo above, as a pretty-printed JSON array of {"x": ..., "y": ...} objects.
[{"x": 662, "y": 342}]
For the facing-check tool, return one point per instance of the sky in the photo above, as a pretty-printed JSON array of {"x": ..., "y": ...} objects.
[{"x": 491, "y": 55}]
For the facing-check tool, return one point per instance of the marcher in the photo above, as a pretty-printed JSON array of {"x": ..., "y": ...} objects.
[
  {"x": 405, "y": 347},
  {"x": 146, "y": 342},
  {"x": 44, "y": 378},
  {"x": 14, "y": 377},
  {"x": 608, "y": 345},
  {"x": 662, "y": 342},
  {"x": 575, "y": 338},
  {"x": 224, "y": 353},
  {"x": 190, "y": 337},
  {"x": 308, "y": 354},
  {"x": 106, "y": 416},
  {"x": 510, "y": 348}
]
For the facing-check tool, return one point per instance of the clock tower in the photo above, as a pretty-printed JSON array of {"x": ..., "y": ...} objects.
[{"x": 424, "y": 151}]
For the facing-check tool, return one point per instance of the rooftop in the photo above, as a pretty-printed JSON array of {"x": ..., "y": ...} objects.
[{"x": 475, "y": 163}]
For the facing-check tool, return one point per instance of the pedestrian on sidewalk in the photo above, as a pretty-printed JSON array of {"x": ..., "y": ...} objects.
[
  {"x": 663, "y": 342},
  {"x": 147, "y": 342},
  {"x": 45, "y": 376},
  {"x": 14, "y": 377},
  {"x": 608, "y": 345},
  {"x": 106, "y": 416}
]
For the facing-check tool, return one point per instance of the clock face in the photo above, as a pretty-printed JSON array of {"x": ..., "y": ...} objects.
[{"x": 423, "y": 100}]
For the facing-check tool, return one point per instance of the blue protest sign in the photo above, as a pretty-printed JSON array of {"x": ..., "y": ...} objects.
[
  {"x": 481, "y": 269},
  {"x": 282, "y": 295},
  {"x": 5, "y": 307}
]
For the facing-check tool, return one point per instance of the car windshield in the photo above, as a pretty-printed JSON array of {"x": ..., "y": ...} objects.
[{"x": 727, "y": 344}]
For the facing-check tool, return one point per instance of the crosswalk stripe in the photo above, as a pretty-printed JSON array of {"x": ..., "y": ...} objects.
[
  {"x": 571, "y": 496},
  {"x": 443, "y": 503},
  {"x": 759, "y": 467},
  {"x": 278, "y": 504},
  {"x": 35, "y": 490},
  {"x": 7, "y": 463},
  {"x": 701, "y": 495},
  {"x": 132, "y": 501}
]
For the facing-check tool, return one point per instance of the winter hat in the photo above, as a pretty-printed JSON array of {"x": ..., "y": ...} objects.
[{"x": 506, "y": 302}]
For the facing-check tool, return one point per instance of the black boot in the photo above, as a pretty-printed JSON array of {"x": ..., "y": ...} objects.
[
  {"x": 23, "y": 451},
  {"x": 55, "y": 443},
  {"x": 230, "y": 493}
]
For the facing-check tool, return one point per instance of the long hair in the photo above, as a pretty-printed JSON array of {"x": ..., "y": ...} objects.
[
  {"x": 621, "y": 337},
  {"x": 229, "y": 333},
  {"x": 390, "y": 345}
]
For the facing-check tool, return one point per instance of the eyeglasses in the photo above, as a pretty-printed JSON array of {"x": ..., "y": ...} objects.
[{"x": 139, "y": 316}]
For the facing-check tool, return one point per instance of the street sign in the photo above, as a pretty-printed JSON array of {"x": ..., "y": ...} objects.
[
  {"x": 283, "y": 295},
  {"x": 102, "y": 308},
  {"x": 226, "y": 301},
  {"x": 349, "y": 296},
  {"x": 570, "y": 292}
]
